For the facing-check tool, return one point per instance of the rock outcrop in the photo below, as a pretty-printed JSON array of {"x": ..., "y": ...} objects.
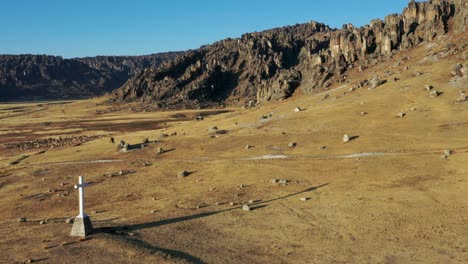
[
  {"x": 273, "y": 64},
  {"x": 42, "y": 76}
]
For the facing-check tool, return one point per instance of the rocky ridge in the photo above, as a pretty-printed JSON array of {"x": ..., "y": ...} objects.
[
  {"x": 52, "y": 77},
  {"x": 273, "y": 64}
]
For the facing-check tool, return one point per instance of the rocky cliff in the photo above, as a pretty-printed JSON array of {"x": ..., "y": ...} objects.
[
  {"x": 41, "y": 76},
  {"x": 273, "y": 64}
]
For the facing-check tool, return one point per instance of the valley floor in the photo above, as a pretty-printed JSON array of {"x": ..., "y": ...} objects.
[{"x": 390, "y": 195}]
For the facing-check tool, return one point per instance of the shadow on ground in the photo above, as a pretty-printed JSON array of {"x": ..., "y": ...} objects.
[{"x": 120, "y": 232}]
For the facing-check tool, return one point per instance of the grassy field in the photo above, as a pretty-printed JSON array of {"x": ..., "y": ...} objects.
[{"x": 387, "y": 196}]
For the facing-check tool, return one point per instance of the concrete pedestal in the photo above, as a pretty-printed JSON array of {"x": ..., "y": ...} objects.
[{"x": 82, "y": 226}]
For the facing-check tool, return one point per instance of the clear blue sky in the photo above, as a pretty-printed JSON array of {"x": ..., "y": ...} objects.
[{"x": 78, "y": 28}]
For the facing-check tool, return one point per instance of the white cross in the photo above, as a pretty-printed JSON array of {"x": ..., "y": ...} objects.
[{"x": 80, "y": 188}]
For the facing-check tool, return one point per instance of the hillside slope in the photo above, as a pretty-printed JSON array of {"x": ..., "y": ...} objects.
[{"x": 273, "y": 64}]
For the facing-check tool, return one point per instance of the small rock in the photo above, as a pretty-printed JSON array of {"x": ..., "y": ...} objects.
[
  {"x": 182, "y": 174},
  {"x": 232, "y": 204},
  {"x": 303, "y": 199},
  {"x": 456, "y": 69},
  {"x": 29, "y": 261},
  {"x": 292, "y": 144},
  {"x": 200, "y": 117},
  {"x": 283, "y": 181},
  {"x": 246, "y": 208},
  {"x": 159, "y": 151},
  {"x": 153, "y": 211},
  {"x": 247, "y": 147},
  {"x": 120, "y": 172},
  {"x": 70, "y": 220},
  {"x": 443, "y": 157},
  {"x": 42, "y": 222},
  {"x": 251, "y": 201},
  {"x": 22, "y": 219},
  {"x": 346, "y": 138},
  {"x": 213, "y": 128},
  {"x": 375, "y": 82},
  {"x": 400, "y": 115},
  {"x": 297, "y": 109},
  {"x": 273, "y": 181},
  {"x": 413, "y": 109},
  {"x": 434, "y": 93},
  {"x": 363, "y": 113},
  {"x": 448, "y": 152},
  {"x": 428, "y": 87},
  {"x": 322, "y": 147}
]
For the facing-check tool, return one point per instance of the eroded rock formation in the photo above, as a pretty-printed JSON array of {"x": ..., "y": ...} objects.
[{"x": 271, "y": 65}]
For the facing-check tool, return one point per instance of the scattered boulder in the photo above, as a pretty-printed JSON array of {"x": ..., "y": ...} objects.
[
  {"x": 428, "y": 87},
  {"x": 346, "y": 138},
  {"x": 42, "y": 222},
  {"x": 22, "y": 219},
  {"x": 292, "y": 144},
  {"x": 363, "y": 113},
  {"x": 435, "y": 93},
  {"x": 456, "y": 70},
  {"x": 375, "y": 82},
  {"x": 322, "y": 147},
  {"x": 303, "y": 199},
  {"x": 247, "y": 147},
  {"x": 70, "y": 220},
  {"x": 159, "y": 151},
  {"x": 246, "y": 207},
  {"x": 462, "y": 98},
  {"x": 400, "y": 115},
  {"x": 213, "y": 128},
  {"x": 199, "y": 117},
  {"x": 448, "y": 152},
  {"x": 182, "y": 174},
  {"x": 121, "y": 145},
  {"x": 297, "y": 109}
]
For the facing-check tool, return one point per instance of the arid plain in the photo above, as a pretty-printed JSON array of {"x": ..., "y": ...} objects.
[{"x": 390, "y": 195}]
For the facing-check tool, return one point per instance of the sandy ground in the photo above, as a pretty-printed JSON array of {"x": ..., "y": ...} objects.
[{"x": 387, "y": 196}]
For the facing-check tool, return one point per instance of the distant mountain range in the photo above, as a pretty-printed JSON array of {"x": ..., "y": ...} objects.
[
  {"x": 51, "y": 77},
  {"x": 257, "y": 67}
]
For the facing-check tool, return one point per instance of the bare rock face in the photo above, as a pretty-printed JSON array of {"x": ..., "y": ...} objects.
[
  {"x": 42, "y": 76},
  {"x": 273, "y": 64}
]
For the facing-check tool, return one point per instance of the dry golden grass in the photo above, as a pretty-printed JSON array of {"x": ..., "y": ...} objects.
[{"x": 402, "y": 203}]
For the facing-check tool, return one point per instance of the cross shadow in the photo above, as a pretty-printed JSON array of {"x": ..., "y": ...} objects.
[{"x": 196, "y": 216}]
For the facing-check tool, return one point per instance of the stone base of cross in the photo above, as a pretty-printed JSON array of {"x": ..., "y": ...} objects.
[{"x": 82, "y": 225}]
